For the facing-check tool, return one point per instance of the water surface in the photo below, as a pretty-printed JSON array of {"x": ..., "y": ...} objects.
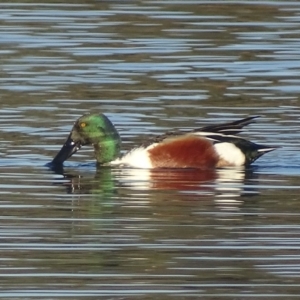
[{"x": 88, "y": 233}]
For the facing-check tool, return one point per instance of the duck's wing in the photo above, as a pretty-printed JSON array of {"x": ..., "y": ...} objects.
[
  {"x": 213, "y": 132},
  {"x": 230, "y": 128}
]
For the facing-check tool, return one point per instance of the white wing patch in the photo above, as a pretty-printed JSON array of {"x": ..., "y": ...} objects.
[
  {"x": 210, "y": 135},
  {"x": 230, "y": 153}
]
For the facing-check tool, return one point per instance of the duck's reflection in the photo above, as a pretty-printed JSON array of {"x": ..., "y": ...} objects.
[
  {"x": 225, "y": 185},
  {"x": 85, "y": 182},
  {"x": 167, "y": 179}
]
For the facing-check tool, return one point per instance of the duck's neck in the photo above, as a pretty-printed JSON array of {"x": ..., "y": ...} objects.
[{"x": 108, "y": 149}]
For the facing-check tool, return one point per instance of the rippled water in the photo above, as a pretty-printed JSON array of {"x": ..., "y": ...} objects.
[{"x": 151, "y": 66}]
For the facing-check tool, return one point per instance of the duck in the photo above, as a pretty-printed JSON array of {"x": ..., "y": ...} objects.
[{"x": 212, "y": 146}]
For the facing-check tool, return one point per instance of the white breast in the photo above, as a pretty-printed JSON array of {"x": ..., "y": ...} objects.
[{"x": 137, "y": 158}]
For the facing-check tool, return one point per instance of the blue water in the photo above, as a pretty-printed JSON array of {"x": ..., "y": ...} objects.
[{"x": 151, "y": 66}]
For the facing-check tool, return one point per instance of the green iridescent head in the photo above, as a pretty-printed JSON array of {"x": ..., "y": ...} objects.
[{"x": 92, "y": 129}]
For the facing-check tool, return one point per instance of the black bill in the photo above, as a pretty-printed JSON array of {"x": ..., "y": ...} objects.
[{"x": 68, "y": 149}]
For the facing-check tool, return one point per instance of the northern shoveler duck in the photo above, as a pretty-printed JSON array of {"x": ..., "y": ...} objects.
[{"x": 212, "y": 146}]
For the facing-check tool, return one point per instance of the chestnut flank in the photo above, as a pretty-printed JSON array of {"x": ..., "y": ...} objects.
[{"x": 184, "y": 152}]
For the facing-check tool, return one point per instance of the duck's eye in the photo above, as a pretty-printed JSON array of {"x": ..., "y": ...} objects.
[{"x": 82, "y": 125}]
